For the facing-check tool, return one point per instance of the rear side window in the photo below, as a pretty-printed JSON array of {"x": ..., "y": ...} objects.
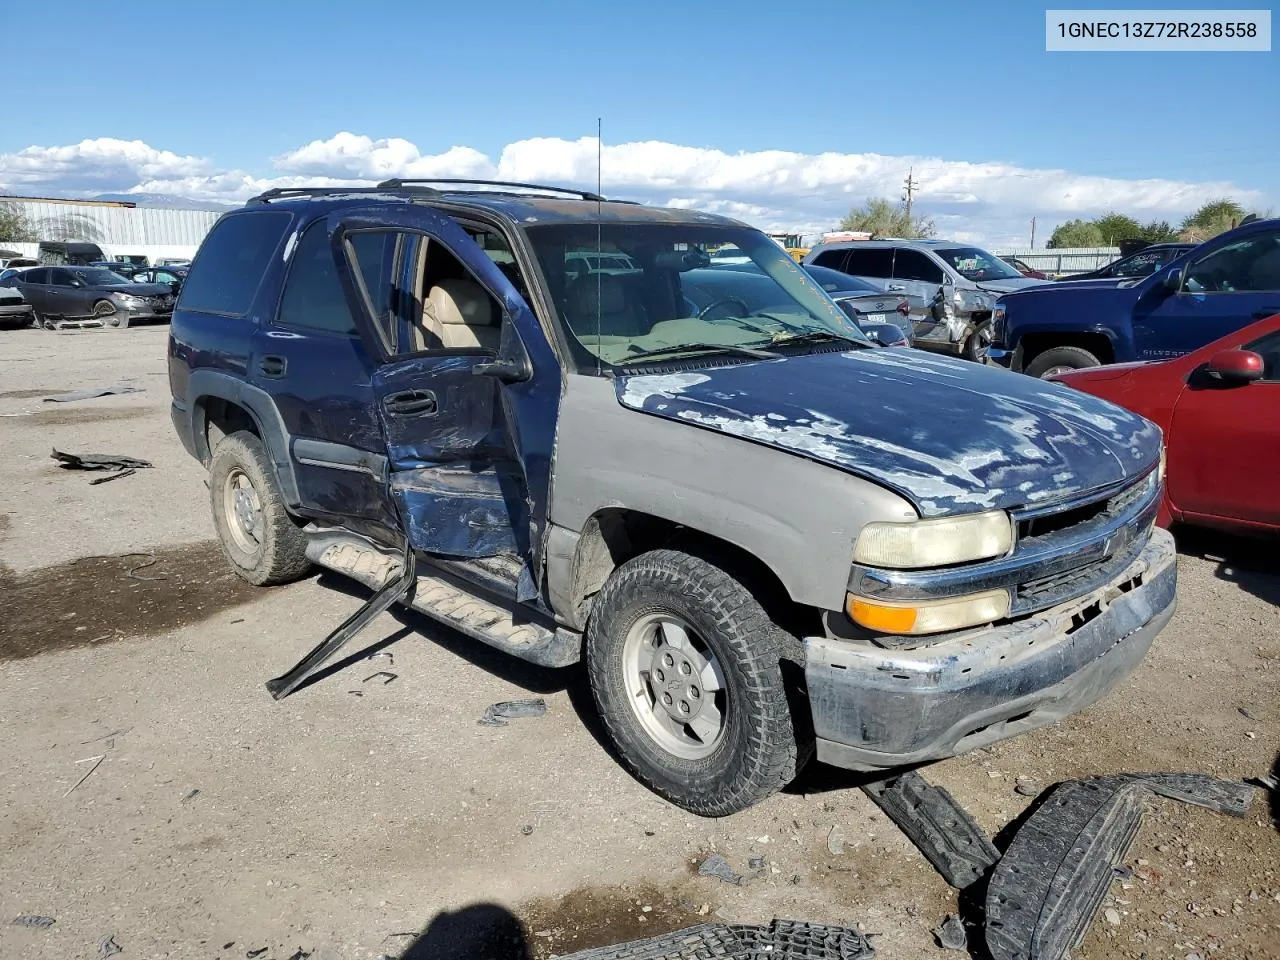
[
  {"x": 231, "y": 262},
  {"x": 38, "y": 275},
  {"x": 313, "y": 296},
  {"x": 831, "y": 259},
  {"x": 876, "y": 262},
  {"x": 914, "y": 265}
]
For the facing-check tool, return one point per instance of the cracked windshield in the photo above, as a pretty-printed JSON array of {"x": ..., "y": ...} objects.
[{"x": 653, "y": 292}]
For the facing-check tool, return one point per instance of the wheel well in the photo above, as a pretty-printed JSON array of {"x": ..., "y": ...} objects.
[
  {"x": 1034, "y": 344},
  {"x": 615, "y": 535},
  {"x": 217, "y": 419}
]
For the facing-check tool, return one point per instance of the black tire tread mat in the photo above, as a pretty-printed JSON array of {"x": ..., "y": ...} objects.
[
  {"x": 1048, "y": 887},
  {"x": 941, "y": 829},
  {"x": 780, "y": 940}
]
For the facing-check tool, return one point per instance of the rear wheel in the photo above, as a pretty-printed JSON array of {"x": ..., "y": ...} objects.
[
  {"x": 260, "y": 539},
  {"x": 1059, "y": 360},
  {"x": 685, "y": 670}
]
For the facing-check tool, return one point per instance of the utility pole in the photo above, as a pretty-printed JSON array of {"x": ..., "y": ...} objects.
[
  {"x": 910, "y": 187},
  {"x": 1033, "y": 233}
]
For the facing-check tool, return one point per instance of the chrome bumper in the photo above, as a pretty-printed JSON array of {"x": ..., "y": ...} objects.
[{"x": 877, "y": 709}]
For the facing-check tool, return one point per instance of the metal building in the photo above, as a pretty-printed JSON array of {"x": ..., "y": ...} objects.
[{"x": 117, "y": 227}]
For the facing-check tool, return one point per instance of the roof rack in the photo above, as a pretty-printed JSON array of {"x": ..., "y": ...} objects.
[
  {"x": 399, "y": 182},
  {"x": 277, "y": 193}
]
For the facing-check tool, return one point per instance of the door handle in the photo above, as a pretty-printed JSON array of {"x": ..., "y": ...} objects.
[
  {"x": 895, "y": 286},
  {"x": 411, "y": 403},
  {"x": 271, "y": 366}
]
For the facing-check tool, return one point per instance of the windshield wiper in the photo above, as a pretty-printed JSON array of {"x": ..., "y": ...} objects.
[
  {"x": 819, "y": 336},
  {"x": 752, "y": 352}
]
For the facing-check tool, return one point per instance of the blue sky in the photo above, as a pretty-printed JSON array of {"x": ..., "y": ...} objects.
[{"x": 228, "y": 90}]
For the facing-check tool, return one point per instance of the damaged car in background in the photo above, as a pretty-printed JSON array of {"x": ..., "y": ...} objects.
[
  {"x": 764, "y": 537},
  {"x": 958, "y": 283},
  {"x": 89, "y": 296}
]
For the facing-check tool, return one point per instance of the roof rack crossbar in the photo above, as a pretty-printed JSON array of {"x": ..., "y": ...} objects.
[
  {"x": 277, "y": 193},
  {"x": 398, "y": 182}
]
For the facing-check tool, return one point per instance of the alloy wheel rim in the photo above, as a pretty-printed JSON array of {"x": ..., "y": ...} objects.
[
  {"x": 243, "y": 510},
  {"x": 675, "y": 686}
]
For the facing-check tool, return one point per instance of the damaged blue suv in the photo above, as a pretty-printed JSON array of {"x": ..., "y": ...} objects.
[{"x": 552, "y": 422}]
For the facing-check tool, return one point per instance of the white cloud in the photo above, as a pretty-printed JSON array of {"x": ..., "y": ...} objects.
[
  {"x": 362, "y": 158},
  {"x": 92, "y": 166},
  {"x": 989, "y": 202}
]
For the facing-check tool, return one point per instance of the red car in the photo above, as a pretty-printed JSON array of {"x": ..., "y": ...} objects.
[
  {"x": 1219, "y": 408},
  {"x": 1025, "y": 270}
]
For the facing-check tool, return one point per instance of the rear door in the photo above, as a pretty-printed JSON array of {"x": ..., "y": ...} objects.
[
  {"x": 465, "y": 386},
  {"x": 874, "y": 264},
  {"x": 1224, "y": 446},
  {"x": 1224, "y": 288},
  {"x": 34, "y": 284}
]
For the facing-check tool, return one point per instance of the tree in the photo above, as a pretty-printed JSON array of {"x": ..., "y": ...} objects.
[
  {"x": 884, "y": 218},
  {"x": 1115, "y": 227},
  {"x": 14, "y": 227},
  {"x": 1213, "y": 218},
  {"x": 1158, "y": 231},
  {"x": 1075, "y": 233},
  {"x": 1213, "y": 213}
]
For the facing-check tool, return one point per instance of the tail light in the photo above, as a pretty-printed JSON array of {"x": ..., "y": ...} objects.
[{"x": 904, "y": 307}]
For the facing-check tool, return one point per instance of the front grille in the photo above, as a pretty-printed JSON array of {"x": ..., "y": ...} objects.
[{"x": 1044, "y": 525}]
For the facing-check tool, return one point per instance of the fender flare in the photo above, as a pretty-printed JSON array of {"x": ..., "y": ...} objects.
[{"x": 205, "y": 384}]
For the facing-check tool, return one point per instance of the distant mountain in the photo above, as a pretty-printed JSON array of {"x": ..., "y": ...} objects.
[{"x": 164, "y": 200}]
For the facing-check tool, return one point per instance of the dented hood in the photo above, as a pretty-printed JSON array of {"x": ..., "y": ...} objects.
[{"x": 949, "y": 435}]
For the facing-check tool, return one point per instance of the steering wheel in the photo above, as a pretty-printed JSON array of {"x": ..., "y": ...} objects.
[{"x": 723, "y": 301}]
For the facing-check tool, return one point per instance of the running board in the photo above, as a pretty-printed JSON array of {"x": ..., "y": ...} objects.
[{"x": 446, "y": 599}]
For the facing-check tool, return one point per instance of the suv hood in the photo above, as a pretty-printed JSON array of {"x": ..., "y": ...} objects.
[{"x": 949, "y": 435}]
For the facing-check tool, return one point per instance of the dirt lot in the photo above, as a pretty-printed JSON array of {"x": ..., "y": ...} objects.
[{"x": 361, "y": 818}]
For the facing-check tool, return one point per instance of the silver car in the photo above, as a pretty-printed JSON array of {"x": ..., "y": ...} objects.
[{"x": 959, "y": 282}]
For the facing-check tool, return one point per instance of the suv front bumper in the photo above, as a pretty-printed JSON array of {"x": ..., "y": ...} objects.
[{"x": 876, "y": 709}]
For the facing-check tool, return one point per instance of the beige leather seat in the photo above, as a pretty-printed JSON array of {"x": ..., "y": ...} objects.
[
  {"x": 460, "y": 313},
  {"x": 604, "y": 292}
]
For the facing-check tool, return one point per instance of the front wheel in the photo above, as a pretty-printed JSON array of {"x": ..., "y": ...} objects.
[
  {"x": 1057, "y": 360},
  {"x": 685, "y": 669}
]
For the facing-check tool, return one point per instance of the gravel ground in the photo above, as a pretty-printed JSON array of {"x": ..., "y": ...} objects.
[{"x": 363, "y": 818}]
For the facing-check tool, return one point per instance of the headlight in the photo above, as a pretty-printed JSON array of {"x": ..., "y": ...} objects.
[
  {"x": 1164, "y": 451},
  {"x": 935, "y": 543},
  {"x": 129, "y": 298},
  {"x": 928, "y": 616}
]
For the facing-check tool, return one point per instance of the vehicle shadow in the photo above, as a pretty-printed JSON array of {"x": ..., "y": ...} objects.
[
  {"x": 520, "y": 673},
  {"x": 482, "y": 931},
  {"x": 1253, "y": 564}
]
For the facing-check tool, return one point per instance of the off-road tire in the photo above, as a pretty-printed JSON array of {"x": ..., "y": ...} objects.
[
  {"x": 282, "y": 555},
  {"x": 1077, "y": 358},
  {"x": 757, "y": 752}
]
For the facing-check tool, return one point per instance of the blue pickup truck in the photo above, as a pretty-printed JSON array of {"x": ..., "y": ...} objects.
[{"x": 1209, "y": 291}]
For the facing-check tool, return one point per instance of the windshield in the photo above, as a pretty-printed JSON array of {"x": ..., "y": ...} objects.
[
  {"x": 977, "y": 265},
  {"x": 1143, "y": 263},
  {"x": 640, "y": 289},
  {"x": 100, "y": 277}
]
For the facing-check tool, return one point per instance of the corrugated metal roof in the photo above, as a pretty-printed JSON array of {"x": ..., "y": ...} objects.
[{"x": 114, "y": 225}]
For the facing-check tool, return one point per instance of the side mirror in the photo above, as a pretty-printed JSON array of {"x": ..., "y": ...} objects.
[
  {"x": 1235, "y": 366},
  {"x": 1173, "y": 280}
]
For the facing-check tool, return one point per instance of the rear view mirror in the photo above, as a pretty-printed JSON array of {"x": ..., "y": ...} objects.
[
  {"x": 1173, "y": 280},
  {"x": 1235, "y": 366}
]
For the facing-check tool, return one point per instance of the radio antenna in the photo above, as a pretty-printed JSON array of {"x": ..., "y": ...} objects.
[{"x": 599, "y": 238}]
